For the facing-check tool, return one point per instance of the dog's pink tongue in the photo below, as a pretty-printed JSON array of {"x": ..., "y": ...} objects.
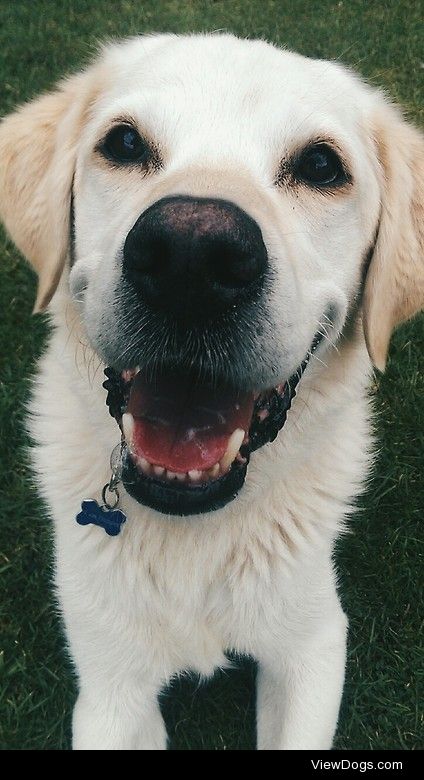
[{"x": 184, "y": 427}]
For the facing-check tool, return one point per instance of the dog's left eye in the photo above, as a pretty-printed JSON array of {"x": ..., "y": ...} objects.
[
  {"x": 124, "y": 144},
  {"x": 320, "y": 166}
]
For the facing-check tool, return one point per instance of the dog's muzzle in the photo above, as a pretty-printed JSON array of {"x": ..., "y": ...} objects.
[
  {"x": 200, "y": 265},
  {"x": 188, "y": 447}
]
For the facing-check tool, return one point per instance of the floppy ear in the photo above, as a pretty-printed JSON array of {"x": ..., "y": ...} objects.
[
  {"x": 394, "y": 286},
  {"x": 37, "y": 162}
]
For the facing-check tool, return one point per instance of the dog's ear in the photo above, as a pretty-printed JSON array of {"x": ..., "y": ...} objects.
[
  {"x": 37, "y": 161},
  {"x": 394, "y": 286}
]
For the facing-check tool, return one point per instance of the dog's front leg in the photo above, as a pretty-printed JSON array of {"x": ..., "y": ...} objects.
[
  {"x": 124, "y": 715},
  {"x": 299, "y": 691}
]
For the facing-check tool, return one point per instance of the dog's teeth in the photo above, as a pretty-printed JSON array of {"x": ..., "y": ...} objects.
[
  {"x": 214, "y": 471},
  {"x": 234, "y": 444},
  {"x": 195, "y": 475},
  {"x": 128, "y": 427},
  {"x": 128, "y": 374},
  {"x": 159, "y": 471},
  {"x": 144, "y": 465},
  {"x": 176, "y": 475}
]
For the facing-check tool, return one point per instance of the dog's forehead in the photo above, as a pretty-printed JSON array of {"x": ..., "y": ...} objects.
[{"x": 205, "y": 81}]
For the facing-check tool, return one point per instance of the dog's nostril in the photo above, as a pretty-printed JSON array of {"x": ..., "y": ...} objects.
[
  {"x": 154, "y": 255},
  {"x": 194, "y": 257},
  {"x": 237, "y": 267}
]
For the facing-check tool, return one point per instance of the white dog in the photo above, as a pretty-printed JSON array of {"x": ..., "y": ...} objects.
[{"x": 224, "y": 226}]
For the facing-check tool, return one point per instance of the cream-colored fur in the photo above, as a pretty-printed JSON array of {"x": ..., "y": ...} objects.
[
  {"x": 38, "y": 153},
  {"x": 171, "y": 594},
  {"x": 395, "y": 283}
]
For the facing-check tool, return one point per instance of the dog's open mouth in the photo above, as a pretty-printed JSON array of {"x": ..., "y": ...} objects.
[{"x": 188, "y": 445}]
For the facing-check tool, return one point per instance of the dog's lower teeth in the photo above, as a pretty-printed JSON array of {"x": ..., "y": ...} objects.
[
  {"x": 194, "y": 475},
  {"x": 144, "y": 465}
]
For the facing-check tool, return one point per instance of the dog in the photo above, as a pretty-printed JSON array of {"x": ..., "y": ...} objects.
[{"x": 232, "y": 232}]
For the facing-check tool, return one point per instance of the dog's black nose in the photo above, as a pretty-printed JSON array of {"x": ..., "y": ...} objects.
[{"x": 194, "y": 257}]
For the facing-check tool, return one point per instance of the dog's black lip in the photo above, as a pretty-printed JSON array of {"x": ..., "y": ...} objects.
[{"x": 181, "y": 499}]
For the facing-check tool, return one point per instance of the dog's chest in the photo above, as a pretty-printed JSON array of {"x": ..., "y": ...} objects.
[{"x": 172, "y": 593}]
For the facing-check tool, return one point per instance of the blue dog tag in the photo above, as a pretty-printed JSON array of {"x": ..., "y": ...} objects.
[{"x": 111, "y": 520}]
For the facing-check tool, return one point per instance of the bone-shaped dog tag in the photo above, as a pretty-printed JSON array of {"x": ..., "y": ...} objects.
[{"x": 111, "y": 520}]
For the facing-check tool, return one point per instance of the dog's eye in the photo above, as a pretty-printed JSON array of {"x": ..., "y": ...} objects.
[
  {"x": 320, "y": 166},
  {"x": 124, "y": 144}
]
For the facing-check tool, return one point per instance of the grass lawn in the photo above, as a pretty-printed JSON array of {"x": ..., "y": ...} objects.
[{"x": 380, "y": 579}]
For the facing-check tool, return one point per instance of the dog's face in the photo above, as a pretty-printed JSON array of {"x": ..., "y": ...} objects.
[
  {"x": 228, "y": 201},
  {"x": 223, "y": 204}
]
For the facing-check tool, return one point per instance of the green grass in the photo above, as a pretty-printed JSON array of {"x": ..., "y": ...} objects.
[{"x": 380, "y": 581}]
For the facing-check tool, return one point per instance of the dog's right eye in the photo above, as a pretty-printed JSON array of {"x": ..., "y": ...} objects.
[{"x": 123, "y": 144}]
